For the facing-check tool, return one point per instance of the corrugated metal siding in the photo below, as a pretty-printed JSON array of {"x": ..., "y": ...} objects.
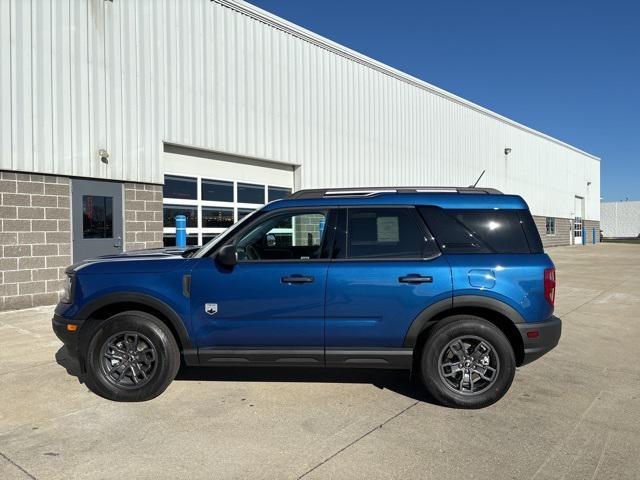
[
  {"x": 126, "y": 75},
  {"x": 620, "y": 219},
  {"x": 77, "y": 76}
]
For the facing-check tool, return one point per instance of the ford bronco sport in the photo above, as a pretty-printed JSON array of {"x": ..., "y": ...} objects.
[{"x": 452, "y": 284}]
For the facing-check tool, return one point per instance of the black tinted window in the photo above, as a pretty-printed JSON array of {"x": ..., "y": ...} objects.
[
  {"x": 276, "y": 193},
  {"x": 217, "y": 191},
  {"x": 386, "y": 233},
  {"x": 477, "y": 231},
  {"x": 248, "y": 193},
  {"x": 97, "y": 217},
  {"x": 180, "y": 187},
  {"x": 216, "y": 217},
  {"x": 171, "y": 211},
  {"x": 531, "y": 231}
]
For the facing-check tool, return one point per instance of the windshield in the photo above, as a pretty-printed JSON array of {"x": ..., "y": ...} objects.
[{"x": 207, "y": 247}]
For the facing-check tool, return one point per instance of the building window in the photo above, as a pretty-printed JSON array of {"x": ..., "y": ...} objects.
[
  {"x": 550, "y": 225},
  {"x": 171, "y": 211},
  {"x": 217, "y": 191},
  {"x": 243, "y": 212},
  {"x": 248, "y": 193},
  {"x": 210, "y": 205},
  {"x": 214, "y": 217},
  {"x": 169, "y": 239},
  {"x": 97, "y": 217},
  {"x": 276, "y": 193},
  {"x": 185, "y": 188}
]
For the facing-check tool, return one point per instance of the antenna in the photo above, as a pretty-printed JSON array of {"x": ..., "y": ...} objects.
[{"x": 474, "y": 185}]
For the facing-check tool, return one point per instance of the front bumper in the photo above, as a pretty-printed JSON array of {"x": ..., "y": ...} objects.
[
  {"x": 61, "y": 329},
  {"x": 548, "y": 336}
]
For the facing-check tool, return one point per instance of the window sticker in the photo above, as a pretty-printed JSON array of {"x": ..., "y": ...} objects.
[{"x": 388, "y": 230}]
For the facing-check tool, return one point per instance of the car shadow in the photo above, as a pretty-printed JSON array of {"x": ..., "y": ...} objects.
[
  {"x": 66, "y": 359},
  {"x": 398, "y": 381}
]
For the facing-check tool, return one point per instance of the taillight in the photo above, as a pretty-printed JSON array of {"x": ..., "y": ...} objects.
[{"x": 550, "y": 285}]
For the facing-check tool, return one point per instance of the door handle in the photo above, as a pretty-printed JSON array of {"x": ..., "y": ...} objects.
[
  {"x": 298, "y": 279},
  {"x": 415, "y": 278}
]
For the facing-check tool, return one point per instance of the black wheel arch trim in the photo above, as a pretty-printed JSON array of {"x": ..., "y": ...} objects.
[
  {"x": 426, "y": 318},
  {"x": 140, "y": 298}
]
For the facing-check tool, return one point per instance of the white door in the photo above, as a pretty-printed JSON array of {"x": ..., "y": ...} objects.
[{"x": 577, "y": 221}]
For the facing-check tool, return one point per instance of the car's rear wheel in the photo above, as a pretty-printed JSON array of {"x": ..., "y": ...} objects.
[
  {"x": 131, "y": 357},
  {"x": 467, "y": 362}
]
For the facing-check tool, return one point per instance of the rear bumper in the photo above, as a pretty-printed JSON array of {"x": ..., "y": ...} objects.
[
  {"x": 69, "y": 338},
  {"x": 548, "y": 336}
]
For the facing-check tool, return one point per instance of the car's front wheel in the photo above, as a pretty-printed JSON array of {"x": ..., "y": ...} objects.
[
  {"x": 467, "y": 362},
  {"x": 131, "y": 357}
]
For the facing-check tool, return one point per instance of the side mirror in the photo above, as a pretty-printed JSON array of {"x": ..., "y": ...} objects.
[
  {"x": 271, "y": 240},
  {"x": 227, "y": 256}
]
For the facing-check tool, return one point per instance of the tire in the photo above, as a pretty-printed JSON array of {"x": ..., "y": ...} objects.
[
  {"x": 131, "y": 357},
  {"x": 479, "y": 347}
]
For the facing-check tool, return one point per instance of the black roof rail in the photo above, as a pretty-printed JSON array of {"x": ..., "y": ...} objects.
[{"x": 370, "y": 191}]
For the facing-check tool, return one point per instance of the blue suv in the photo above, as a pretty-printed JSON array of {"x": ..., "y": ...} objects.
[{"x": 449, "y": 283}]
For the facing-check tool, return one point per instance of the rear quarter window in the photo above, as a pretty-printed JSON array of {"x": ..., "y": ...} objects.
[{"x": 482, "y": 231}]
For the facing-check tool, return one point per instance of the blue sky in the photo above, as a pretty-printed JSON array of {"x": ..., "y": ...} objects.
[{"x": 569, "y": 68}]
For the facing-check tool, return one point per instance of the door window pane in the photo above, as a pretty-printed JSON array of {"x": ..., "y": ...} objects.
[
  {"x": 248, "y": 193},
  {"x": 170, "y": 212},
  {"x": 217, "y": 191},
  {"x": 276, "y": 193},
  {"x": 180, "y": 187},
  {"x": 290, "y": 236},
  {"x": 386, "y": 233},
  {"x": 214, "y": 217},
  {"x": 97, "y": 217},
  {"x": 243, "y": 212},
  {"x": 169, "y": 239}
]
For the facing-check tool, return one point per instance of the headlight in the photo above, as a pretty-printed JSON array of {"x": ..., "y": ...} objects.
[{"x": 67, "y": 292}]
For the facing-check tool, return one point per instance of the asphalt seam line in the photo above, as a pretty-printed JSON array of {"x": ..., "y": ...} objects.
[
  {"x": 378, "y": 427},
  {"x": 17, "y": 466}
]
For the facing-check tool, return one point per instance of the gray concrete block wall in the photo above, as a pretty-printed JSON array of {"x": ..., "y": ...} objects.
[
  {"x": 35, "y": 238},
  {"x": 589, "y": 225},
  {"x": 564, "y": 232},
  {"x": 142, "y": 216},
  {"x": 307, "y": 225},
  {"x": 562, "y": 235}
]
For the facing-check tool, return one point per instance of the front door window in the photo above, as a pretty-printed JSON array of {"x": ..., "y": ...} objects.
[{"x": 290, "y": 236}]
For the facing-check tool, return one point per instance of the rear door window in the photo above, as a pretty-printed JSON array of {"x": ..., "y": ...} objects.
[
  {"x": 477, "y": 231},
  {"x": 379, "y": 233}
]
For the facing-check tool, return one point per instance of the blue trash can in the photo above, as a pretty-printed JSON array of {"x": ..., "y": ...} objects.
[{"x": 181, "y": 231}]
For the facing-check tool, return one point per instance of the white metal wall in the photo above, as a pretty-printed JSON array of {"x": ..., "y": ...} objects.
[
  {"x": 620, "y": 219},
  {"x": 226, "y": 76}
]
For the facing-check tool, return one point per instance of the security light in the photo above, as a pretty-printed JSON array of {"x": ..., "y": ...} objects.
[{"x": 104, "y": 155}]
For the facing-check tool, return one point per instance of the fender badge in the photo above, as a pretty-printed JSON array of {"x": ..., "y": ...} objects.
[{"x": 211, "y": 308}]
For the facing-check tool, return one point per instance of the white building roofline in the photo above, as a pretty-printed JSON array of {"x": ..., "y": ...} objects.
[{"x": 309, "y": 36}]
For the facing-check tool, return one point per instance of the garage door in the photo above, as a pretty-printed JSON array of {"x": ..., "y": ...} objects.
[{"x": 215, "y": 190}]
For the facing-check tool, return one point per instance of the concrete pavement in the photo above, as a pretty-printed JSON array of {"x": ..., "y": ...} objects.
[{"x": 573, "y": 414}]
